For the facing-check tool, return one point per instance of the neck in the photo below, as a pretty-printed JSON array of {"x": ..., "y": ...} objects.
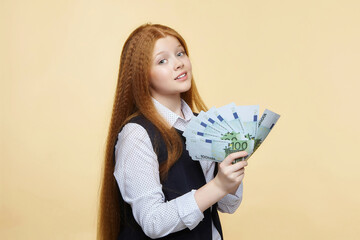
[{"x": 171, "y": 102}]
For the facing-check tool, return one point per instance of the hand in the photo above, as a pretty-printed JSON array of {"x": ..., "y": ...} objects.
[{"x": 230, "y": 175}]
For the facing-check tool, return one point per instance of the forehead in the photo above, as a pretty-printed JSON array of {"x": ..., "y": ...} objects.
[{"x": 168, "y": 43}]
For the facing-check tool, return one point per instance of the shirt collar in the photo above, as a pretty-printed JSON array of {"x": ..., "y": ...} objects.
[{"x": 170, "y": 116}]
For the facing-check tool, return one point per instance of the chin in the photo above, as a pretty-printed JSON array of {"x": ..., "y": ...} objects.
[{"x": 187, "y": 88}]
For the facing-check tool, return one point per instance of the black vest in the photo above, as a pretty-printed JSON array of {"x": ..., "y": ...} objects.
[{"x": 183, "y": 176}]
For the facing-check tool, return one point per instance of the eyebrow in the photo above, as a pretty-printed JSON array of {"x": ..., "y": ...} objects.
[{"x": 164, "y": 51}]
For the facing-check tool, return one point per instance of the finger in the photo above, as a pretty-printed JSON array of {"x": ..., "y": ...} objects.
[
  {"x": 229, "y": 159},
  {"x": 237, "y": 166},
  {"x": 236, "y": 174}
]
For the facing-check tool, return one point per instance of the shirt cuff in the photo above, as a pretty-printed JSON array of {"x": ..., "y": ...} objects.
[
  {"x": 233, "y": 198},
  {"x": 188, "y": 210}
]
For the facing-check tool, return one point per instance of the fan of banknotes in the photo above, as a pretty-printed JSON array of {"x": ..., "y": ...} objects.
[{"x": 215, "y": 134}]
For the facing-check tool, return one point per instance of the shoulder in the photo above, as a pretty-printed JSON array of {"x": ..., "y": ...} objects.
[
  {"x": 133, "y": 131},
  {"x": 143, "y": 122},
  {"x": 139, "y": 119},
  {"x": 138, "y": 129},
  {"x": 132, "y": 134},
  {"x": 137, "y": 124},
  {"x": 146, "y": 125}
]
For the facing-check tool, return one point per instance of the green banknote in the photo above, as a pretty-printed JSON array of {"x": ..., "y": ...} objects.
[
  {"x": 216, "y": 150},
  {"x": 215, "y": 134},
  {"x": 207, "y": 149}
]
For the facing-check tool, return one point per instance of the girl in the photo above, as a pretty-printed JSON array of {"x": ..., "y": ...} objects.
[{"x": 151, "y": 188}]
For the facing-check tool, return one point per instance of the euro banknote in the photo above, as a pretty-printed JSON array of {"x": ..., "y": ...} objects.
[
  {"x": 215, "y": 134},
  {"x": 266, "y": 123},
  {"x": 216, "y": 149}
]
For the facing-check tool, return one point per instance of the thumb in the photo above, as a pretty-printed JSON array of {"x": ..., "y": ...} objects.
[{"x": 231, "y": 157}]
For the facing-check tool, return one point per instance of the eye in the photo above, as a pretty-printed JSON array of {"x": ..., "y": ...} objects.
[
  {"x": 162, "y": 61},
  {"x": 182, "y": 53}
]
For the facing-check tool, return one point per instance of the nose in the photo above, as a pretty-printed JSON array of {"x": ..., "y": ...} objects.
[{"x": 178, "y": 64}]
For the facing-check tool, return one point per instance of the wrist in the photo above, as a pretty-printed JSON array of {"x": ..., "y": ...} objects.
[
  {"x": 234, "y": 190},
  {"x": 209, "y": 194},
  {"x": 220, "y": 188}
]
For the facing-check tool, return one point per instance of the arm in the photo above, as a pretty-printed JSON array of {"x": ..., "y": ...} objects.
[
  {"x": 227, "y": 181},
  {"x": 229, "y": 203},
  {"x": 137, "y": 174}
]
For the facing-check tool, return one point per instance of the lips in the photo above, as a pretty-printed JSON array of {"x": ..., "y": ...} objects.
[{"x": 181, "y": 75}]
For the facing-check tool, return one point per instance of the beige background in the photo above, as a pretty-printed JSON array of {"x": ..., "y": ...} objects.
[{"x": 59, "y": 63}]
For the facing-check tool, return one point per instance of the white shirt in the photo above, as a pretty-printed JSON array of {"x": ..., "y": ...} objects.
[{"x": 137, "y": 174}]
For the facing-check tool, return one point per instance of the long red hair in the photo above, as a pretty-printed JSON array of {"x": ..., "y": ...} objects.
[{"x": 132, "y": 97}]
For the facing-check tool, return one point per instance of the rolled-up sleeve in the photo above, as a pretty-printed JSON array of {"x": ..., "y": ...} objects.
[
  {"x": 189, "y": 211},
  {"x": 137, "y": 175},
  {"x": 230, "y": 202}
]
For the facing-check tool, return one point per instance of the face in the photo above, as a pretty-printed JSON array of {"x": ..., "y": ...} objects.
[{"x": 170, "y": 72}]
